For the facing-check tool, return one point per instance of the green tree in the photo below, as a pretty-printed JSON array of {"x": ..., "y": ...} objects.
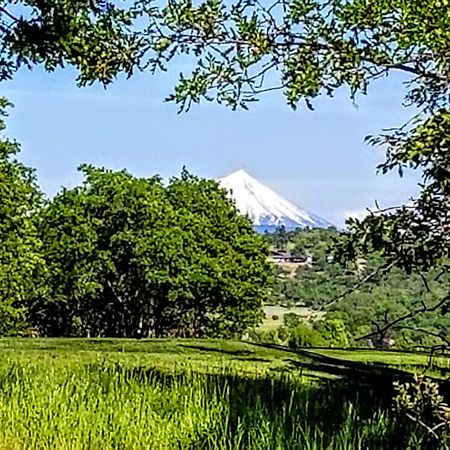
[
  {"x": 92, "y": 35},
  {"x": 333, "y": 331},
  {"x": 366, "y": 298},
  {"x": 304, "y": 48},
  {"x": 21, "y": 265},
  {"x": 131, "y": 257},
  {"x": 280, "y": 238}
]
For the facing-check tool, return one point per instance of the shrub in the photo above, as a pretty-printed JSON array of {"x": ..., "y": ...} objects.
[
  {"x": 270, "y": 336},
  {"x": 291, "y": 320},
  {"x": 304, "y": 335},
  {"x": 283, "y": 333},
  {"x": 333, "y": 332}
]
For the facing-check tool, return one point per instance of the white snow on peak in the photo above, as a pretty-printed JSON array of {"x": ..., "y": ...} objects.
[{"x": 263, "y": 206}]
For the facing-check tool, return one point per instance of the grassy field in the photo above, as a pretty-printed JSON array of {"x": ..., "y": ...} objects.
[
  {"x": 193, "y": 394},
  {"x": 274, "y": 315}
]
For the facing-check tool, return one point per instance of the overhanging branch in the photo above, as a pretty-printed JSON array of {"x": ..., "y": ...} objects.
[{"x": 421, "y": 310}]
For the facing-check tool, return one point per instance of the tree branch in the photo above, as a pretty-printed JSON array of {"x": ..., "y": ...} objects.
[
  {"x": 359, "y": 284},
  {"x": 8, "y": 14},
  {"x": 409, "y": 315}
]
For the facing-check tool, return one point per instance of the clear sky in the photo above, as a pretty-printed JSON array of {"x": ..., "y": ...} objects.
[{"x": 316, "y": 159}]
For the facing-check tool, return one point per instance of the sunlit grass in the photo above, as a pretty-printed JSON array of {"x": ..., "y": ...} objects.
[{"x": 189, "y": 394}]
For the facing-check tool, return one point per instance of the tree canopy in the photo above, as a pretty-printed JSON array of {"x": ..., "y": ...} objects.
[
  {"x": 303, "y": 47},
  {"x": 131, "y": 257},
  {"x": 363, "y": 295},
  {"x": 91, "y": 35},
  {"x": 239, "y": 49},
  {"x": 21, "y": 264},
  {"x": 308, "y": 48}
]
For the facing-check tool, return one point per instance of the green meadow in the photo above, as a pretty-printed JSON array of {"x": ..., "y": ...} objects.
[{"x": 191, "y": 394}]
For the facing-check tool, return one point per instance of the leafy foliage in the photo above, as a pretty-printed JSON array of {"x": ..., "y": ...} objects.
[
  {"x": 21, "y": 264},
  {"x": 421, "y": 403},
  {"x": 93, "y": 36},
  {"x": 238, "y": 49},
  {"x": 307, "y": 48},
  {"x": 131, "y": 257},
  {"x": 364, "y": 295},
  {"x": 304, "y": 47}
]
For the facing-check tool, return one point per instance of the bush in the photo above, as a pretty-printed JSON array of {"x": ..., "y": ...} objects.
[
  {"x": 325, "y": 333},
  {"x": 264, "y": 336},
  {"x": 275, "y": 317},
  {"x": 283, "y": 333},
  {"x": 291, "y": 320},
  {"x": 132, "y": 257},
  {"x": 333, "y": 332},
  {"x": 270, "y": 336},
  {"x": 304, "y": 335}
]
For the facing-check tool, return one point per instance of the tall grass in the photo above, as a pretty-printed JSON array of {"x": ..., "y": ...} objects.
[{"x": 105, "y": 406}]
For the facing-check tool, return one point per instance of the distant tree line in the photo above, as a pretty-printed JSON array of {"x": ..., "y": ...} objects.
[
  {"x": 362, "y": 294},
  {"x": 125, "y": 256}
]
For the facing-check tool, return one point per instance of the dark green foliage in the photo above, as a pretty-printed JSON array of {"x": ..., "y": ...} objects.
[
  {"x": 21, "y": 264},
  {"x": 322, "y": 333},
  {"x": 305, "y": 48},
  {"x": 395, "y": 295},
  {"x": 94, "y": 36},
  {"x": 381, "y": 298},
  {"x": 414, "y": 237},
  {"x": 304, "y": 335},
  {"x": 333, "y": 332},
  {"x": 291, "y": 320},
  {"x": 318, "y": 283},
  {"x": 123, "y": 256},
  {"x": 313, "y": 47},
  {"x": 131, "y": 257},
  {"x": 279, "y": 238}
]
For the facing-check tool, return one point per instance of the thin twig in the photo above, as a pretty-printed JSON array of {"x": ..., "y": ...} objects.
[
  {"x": 358, "y": 285},
  {"x": 409, "y": 315}
]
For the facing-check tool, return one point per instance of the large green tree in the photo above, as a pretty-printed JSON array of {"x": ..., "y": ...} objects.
[
  {"x": 132, "y": 257},
  {"x": 21, "y": 265}
]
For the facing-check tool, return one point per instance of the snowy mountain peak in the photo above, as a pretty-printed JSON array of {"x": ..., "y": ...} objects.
[{"x": 264, "y": 207}]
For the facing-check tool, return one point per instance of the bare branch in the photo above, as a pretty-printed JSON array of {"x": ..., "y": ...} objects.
[
  {"x": 8, "y": 14},
  {"x": 407, "y": 316},
  {"x": 367, "y": 278}
]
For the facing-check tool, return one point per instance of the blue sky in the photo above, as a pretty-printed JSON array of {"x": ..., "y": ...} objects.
[{"x": 316, "y": 159}]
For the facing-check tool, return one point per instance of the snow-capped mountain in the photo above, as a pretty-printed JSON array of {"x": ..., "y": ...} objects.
[{"x": 264, "y": 207}]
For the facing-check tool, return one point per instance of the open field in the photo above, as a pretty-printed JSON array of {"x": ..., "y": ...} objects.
[
  {"x": 212, "y": 394},
  {"x": 274, "y": 315}
]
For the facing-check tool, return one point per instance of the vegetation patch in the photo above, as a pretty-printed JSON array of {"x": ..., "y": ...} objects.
[{"x": 161, "y": 394}]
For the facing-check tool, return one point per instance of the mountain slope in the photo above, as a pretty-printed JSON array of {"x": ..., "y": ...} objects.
[{"x": 264, "y": 207}]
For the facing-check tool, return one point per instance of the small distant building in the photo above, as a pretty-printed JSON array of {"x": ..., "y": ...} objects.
[{"x": 285, "y": 257}]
